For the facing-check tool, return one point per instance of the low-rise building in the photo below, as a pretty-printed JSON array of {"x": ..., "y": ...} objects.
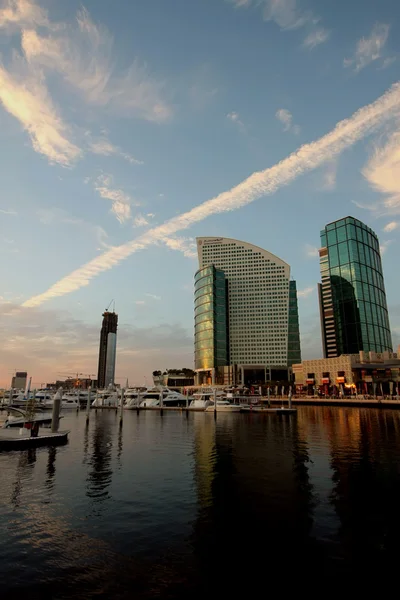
[{"x": 366, "y": 373}]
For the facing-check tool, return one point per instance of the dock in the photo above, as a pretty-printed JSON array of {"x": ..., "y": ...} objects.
[{"x": 22, "y": 440}]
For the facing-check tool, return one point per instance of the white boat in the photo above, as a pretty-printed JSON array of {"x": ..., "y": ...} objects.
[
  {"x": 151, "y": 397},
  {"x": 107, "y": 397},
  {"x": 132, "y": 398},
  {"x": 224, "y": 406},
  {"x": 204, "y": 398},
  {"x": 44, "y": 396}
]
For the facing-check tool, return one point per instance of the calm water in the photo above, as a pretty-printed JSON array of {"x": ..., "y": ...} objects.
[{"x": 177, "y": 506}]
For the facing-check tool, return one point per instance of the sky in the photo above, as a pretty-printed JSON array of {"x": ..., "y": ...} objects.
[{"x": 128, "y": 128}]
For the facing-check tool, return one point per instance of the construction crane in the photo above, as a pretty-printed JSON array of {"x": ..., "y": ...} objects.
[{"x": 108, "y": 307}]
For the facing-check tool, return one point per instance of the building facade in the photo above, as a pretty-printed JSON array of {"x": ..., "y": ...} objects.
[
  {"x": 19, "y": 380},
  {"x": 352, "y": 298},
  {"x": 210, "y": 319},
  {"x": 261, "y": 310},
  {"x": 107, "y": 350},
  {"x": 369, "y": 373}
]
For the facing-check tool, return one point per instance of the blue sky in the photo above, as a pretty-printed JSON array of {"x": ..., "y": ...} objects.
[{"x": 122, "y": 123}]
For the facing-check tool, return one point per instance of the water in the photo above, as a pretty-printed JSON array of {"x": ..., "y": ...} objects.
[{"x": 184, "y": 507}]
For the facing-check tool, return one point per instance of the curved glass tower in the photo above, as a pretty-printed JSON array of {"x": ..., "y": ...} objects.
[
  {"x": 352, "y": 296},
  {"x": 210, "y": 319}
]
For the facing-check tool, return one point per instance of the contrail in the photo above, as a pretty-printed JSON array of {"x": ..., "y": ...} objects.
[{"x": 306, "y": 158}]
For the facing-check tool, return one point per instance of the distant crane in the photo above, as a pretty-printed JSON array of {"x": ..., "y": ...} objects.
[{"x": 108, "y": 307}]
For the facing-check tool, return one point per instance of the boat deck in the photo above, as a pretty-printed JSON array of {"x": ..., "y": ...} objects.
[{"x": 12, "y": 439}]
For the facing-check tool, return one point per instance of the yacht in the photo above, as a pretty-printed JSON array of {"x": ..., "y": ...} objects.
[
  {"x": 204, "y": 398},
  {"x": 17, "y": 418},
  {"x": 44, "y": 396},
  {"x": 152, "y": 396},
  {"x": 107, "y": 397},
  {"x": 224, "y": 406},
  {"x": 133, "y": 397}
]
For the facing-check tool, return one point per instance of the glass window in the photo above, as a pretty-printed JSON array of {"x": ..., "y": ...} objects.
[
  {"x": 341, "y": 234},
  {"x": 343, "y": 253},
  {"x": 332, "y": 239},
  {"x": 323, "y": 240},
  {"x": 351, "y": 232},
  {"x": 333, "y": 256}
]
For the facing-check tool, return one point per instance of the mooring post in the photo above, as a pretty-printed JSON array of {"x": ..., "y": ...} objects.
[
  {"x": 88, "y": 404},
  {"x": 215, "y": 403},
  {"x": 121, "y": 415},
  {"x": 55, "y": 418}
]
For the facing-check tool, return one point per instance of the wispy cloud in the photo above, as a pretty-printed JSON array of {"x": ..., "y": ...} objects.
[
  {"x": 11, "y": 213},
  {"x": 329, "y": 176},
  {"x": 311, "y": 251},
  {"x": 369, "y": 49},
  {"x": 259, "y": 184},
  {"x": 306, "y": 292},
  {"x": 382, "y": 173},
  {"x": 185, "y": 245},
  {"x": 22, "y": 13},
  {"x": 288, "y": 15},
  {"x": 388, "y": 62},
  {"x": 83, "y": 56},
  {"x": 140, "y": 221},
  {"x": 25, "y": 96},
  {"x": 121, "y": 202},
  {"x": 286, "y": 118},
  {"x": 104, "y": 147},
  {"x": 55, "y": 215},
  {"x": 153, "y": 296},
  {"x": 391, "y": 226},
  {"x": 235, "y": 118},
  {"x": 315, "y": 38},
  {"x": 385, "y": 245}
]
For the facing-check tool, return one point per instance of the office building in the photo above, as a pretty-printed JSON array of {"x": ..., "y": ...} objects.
[
  {"x": 353, "y": 309},
  {"x": 245, "y": 308},
  {"x": 107, "y": 350},
  {"x": 19, "y": 380}
]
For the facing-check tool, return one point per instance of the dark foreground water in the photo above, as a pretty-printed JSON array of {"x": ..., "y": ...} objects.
[{"x": 186, "y": 507}]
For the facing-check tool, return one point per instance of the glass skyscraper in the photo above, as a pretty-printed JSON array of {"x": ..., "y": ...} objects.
[
  {"x": 352, "y": 296},
  {"x": 210, "y": 319},
  {"x": 259, "y": 306}
]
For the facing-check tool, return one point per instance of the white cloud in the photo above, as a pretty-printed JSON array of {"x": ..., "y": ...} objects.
[
  {"x": 153, "y": 296},
  {"x": 382, "y": 173},
  {"x": 286, "y": 118},
  {"x": 150, "y": 215},
  {"x": 315, "y": 38},
  {"x": 83, "y": 56},
  {"x": 235, "y": 118},
  {"x": 185, "y": 245},
  {"x": 306, "y": 292},
  {"x": 25, "y": 96},
  {"x": 104, "y": 147},
  {"x": 262, "y": 183},
  {"x": 388, "y": 61},
  {"x": 385, "y": 245},
  {"x": 329, "y": 176},
  {"x": 391, "y": 226},
  {"x": 121, "y": 202},
  {"x": 22, "y": 13},
  {"x": 369, "y": 49},
  {"x": 288, "y": 15},
  {"x": 140, "y": 221},
  {"x": 54, "y": 215},
  {"x": 11, "y": 213},
  {"x": 311, "y": 251},
  {"x": 140, "y": 302}
]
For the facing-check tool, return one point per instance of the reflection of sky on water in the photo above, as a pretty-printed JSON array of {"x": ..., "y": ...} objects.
[{"x": 169, "y": 499}]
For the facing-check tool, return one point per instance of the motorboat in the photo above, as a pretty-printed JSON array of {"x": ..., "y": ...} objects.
[
  {"x": 151, "y": 397},
  {"x": 107, "y": 397},
  {"x": 224, "y": 406},
  {"x": 44, "y": 396},
  {"x": 204, "y": 398},
  {"x": 132, "y": 398}
]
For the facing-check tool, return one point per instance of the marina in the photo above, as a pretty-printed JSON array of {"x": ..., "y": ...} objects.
[{"x": 160, "y": 506}]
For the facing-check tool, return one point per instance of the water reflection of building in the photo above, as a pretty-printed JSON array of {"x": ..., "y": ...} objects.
[
  {"x": 255, "y": 497},
  {"x": 100, "y": 469}
]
